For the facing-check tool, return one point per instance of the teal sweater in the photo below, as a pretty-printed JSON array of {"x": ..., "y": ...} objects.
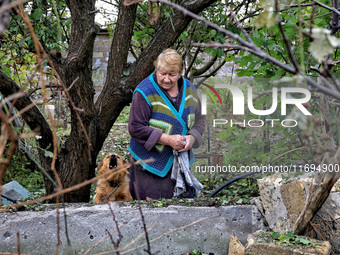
[{"x": 167, "y": 119}]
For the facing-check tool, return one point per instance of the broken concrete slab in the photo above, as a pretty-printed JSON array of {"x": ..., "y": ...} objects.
[
  {"x": 88, "y": 225},
  {"x": 13, "y": 191},
  {"x": 282, "y": 202},
  {"x": 275, "y": 210},
  {"x": 235, "y": 246},
  {"x": 293, "y": 198}
]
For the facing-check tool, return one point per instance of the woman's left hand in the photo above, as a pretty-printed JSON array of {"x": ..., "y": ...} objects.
[{"x": 190, "y": 140}]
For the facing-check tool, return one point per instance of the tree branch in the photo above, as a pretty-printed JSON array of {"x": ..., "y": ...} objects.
[
  {"x": 326, "y": 7},
  {"x": 33, "y": 117},
  {"x": 248, "y": 46},
  {"x": 335, "y": 23},
  {"x": 255, "y": 51},
  {"x": 203, "y": 69},
  {"x": 122, "y": 35},
  {"x": 286, "y": 41}
]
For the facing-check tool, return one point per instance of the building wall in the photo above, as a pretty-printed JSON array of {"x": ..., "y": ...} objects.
[{"x": 100, "y": 57}]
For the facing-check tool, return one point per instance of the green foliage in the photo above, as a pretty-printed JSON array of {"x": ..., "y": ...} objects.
[
  {"x": 22, "y": 170},
  {"x": 124, "y": 115},
  {"x": 18, "y": 59},
  {"x": 249, "y": 147},
  {"x": 287, "y": 239},
  {"x": 237, "y": 193},
  {"x": 268, "y": 37},
  {"x": 196, "y": 252},
  {"x": 290, "y": 239},
  {"x": 39, "y": 206}
]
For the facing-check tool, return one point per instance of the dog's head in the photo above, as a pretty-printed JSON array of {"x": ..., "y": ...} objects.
[{"x": 110, "y": 162}]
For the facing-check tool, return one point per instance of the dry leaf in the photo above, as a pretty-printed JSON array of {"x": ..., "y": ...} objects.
[
  {"x": 154, "y": 12},
  {"x": 130, "y": 2},
  {"x": 149, "y": 199}
]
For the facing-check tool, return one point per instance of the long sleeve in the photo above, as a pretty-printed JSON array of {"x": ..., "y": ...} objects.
[
  {"x": 198, "y": 127},
  {"x": 140, "y": 114}
]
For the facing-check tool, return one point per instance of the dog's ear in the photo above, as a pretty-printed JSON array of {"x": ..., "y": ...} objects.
[{"x": 100, "y": 165}]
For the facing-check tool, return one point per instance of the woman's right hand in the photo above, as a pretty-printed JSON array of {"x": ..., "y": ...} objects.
[{"x": 175, "y": 141}]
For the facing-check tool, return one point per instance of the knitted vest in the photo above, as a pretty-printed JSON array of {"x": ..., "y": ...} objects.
[{"x": 166, "y": 118}]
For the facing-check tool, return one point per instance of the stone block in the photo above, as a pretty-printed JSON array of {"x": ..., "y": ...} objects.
[
  {"x": 275, "y": 211},
  {"x": 235, "y": 246},
  {"x": 283, "y": 200},
  {"x": 293, "y": 198}
]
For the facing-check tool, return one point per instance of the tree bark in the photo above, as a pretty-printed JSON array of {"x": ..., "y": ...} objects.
[{"x": 77, "y": 160}]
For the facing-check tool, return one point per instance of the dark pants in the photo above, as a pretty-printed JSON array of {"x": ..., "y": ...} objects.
[{"x": 144, "y": 184}]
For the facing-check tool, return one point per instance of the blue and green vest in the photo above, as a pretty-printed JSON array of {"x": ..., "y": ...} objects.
[{"x": 166, "y": 118}]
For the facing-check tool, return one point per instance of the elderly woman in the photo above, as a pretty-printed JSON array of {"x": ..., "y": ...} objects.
[{"x": 165, "y": 115}]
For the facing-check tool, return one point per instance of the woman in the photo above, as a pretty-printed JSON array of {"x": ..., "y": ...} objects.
[{"x": 165, "y": 115}]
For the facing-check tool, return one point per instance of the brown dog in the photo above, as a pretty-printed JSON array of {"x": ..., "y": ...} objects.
[{"x": 115, "y": 185}]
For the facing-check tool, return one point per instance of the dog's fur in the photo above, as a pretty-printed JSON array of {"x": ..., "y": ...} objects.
[{"x": 117, "y": 177}]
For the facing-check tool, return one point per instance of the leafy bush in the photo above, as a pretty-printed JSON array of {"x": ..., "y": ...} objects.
[{"x": 24, "y": 172}]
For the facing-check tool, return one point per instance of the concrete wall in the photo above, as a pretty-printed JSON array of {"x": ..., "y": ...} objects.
[
  {"x": 87, "y": 225},
  {"x": 100, "y": 57}
]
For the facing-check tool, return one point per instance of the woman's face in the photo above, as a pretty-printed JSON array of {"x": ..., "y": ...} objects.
[{"x": 168, "y": 79}]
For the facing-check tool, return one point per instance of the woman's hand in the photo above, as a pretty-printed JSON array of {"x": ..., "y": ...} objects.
[
  {"x": 177, "y": 142},
  {"x": 190, "y": 140}
]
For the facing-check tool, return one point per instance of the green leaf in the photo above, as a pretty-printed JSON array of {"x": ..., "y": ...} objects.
[
  {"x": 276, "y": 235},
  {"x": 302, "y": 240},
  {"x": 6, "y": 70},
  {"x": 213, "y": 32},
  {"x": 284, "y": 239},
  {"x": 140, "y": 32},
  {"x": 21, "y": 42},
  {"x": 38, "y": 14},
  {"x": 44, "y": 64},
  {"x": 48, "y": 154},
  {"x": 240, "y": 201}
]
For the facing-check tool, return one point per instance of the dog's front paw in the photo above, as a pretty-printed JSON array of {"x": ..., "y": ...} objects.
[{"x": 96, "y": 199}]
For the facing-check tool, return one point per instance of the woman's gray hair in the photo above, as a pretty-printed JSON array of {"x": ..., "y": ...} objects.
[{"x": 170, "y": 60}]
